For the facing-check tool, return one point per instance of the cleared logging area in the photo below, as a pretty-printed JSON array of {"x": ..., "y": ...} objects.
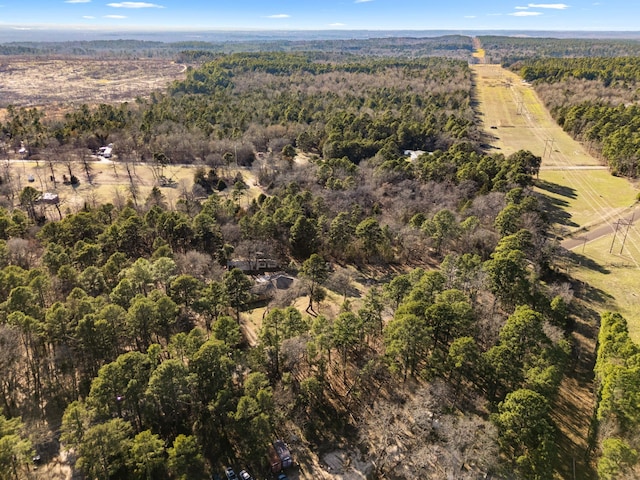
[{"x": 25, "y": 81}]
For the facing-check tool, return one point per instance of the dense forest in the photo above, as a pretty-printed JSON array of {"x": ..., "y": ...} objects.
[
  {"x": 508, "y": 50},
  {"x": 428, "y": 286},
  {"x": 616, "y": 372},
  {"x": 596, "y": 101},
  {"x": 244, "y": 103},
  {"x": 458, "y": 46}
]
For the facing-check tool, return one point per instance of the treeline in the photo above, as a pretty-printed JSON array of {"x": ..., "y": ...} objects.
[
  {"x": 609, "y": 71},
  {"x": 617, "y": 372},
  {"x": 508, "y": 50},
  {"x": 454, "y": 46},
  {"x": 594, "y": 99}
]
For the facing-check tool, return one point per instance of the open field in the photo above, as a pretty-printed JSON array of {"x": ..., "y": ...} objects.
[
  {"x": 109, "y": 182},
  {"x": 614, "y": 271},
  {"x": 29, "y": 81},
  {"x": 590, "y": 197},
  {"x": 521, "y": 122}
]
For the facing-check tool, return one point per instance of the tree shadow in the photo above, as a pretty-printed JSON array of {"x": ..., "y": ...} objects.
[
  {"x": 556, "y": 210},
  {"x": 556, "y": 188},
  {"x": 587, "y": 262}
]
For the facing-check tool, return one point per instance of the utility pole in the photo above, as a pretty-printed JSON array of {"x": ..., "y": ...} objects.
[
  {"x": 614, "y": 236},
  {"x": 548, "y": 143},
  {"x": 519, "y": 107},
  {"x": 626, "y": 232}
]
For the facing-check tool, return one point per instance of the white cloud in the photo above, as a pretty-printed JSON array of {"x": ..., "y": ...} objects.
[
  {"x": 88, "y": 17},
  {"x": 522, "y": 8},
  {"x": 337, "y": 24},
  {"x": 279, "y": 15},
  {"x": 525, "y": 14},
  {"x": 77, "y": 1},
  {"x": 469, "y": 16},
  {"x": 114, "y": 16},
  {"x": 134, "y": 5},
  {"x": 554, "y": 6},
  {"x": 363, "y": 1},
  {"x": 494, "y": 14}
]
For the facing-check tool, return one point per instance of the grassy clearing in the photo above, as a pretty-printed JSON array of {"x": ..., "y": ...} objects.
[
  {"x": 110, "y": 182},
  {"x": 587, "y": 197},
  {"x": 31, "y": 81},
  {"x": 521, "y": 120},
  {"x": 480, "y": 53},
  {"x": 614, "y": 276}
]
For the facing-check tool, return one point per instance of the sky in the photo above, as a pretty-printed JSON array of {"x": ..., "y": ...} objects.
[{"x": 586, "y": 15}]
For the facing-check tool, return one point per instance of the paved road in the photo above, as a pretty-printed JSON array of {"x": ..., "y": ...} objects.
[{"x": 630, "y": 217}]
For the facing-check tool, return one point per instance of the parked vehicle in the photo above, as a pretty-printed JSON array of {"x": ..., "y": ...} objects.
[
  {"x": 244, "y": 475},
  {"x": 282, "y": 476},
  {"x": 275, "y": 464},
  {"x": 283, "y": 453},
  {"x": 231, "y": 475}
]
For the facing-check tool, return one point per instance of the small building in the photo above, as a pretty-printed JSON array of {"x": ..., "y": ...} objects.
[
  {"x": 256, "y": 265},
  {"x": 105, "y": 152},
  {"x": 266, "y": 286},
  {"x": 49, "y": 198},
  {"x": 414, "y": 154}
]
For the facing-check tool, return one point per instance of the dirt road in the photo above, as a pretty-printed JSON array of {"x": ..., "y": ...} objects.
[{"x": 620, "y": 227}]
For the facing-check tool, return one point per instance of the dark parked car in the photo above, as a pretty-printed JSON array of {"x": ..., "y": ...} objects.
[
  {"x": 244, "y": 475},
  {"x": 282, "y": 476},
  {"x": 283, "y": 453},
  {"x": 231, "y": 475}
]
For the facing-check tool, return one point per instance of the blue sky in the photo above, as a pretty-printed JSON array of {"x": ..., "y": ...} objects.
[{"x": 325, "y": 14}]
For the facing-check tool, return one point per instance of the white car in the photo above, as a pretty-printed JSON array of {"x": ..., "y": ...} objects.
[{"x": 244, "y": 475}]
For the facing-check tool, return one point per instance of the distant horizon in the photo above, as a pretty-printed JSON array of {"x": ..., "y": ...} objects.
[{"x": 46, "y": 33}]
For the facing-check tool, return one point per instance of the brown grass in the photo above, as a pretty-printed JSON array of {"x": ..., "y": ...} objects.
[
  {"x": 28, "y": 81},
  {"x": 109, "y": 182}
]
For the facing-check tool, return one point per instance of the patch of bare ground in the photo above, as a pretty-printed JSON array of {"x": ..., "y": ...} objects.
[{"x": 57, "y": 82}]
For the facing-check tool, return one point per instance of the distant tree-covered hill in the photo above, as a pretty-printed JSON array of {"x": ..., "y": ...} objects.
[{"x": 595, "y": 100}]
